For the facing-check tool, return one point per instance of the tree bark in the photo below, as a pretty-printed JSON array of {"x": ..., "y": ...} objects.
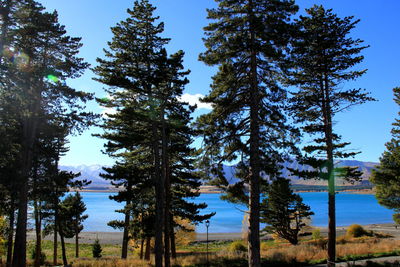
[
  {"x": 10, "y": 237},
  {"x": 165, "y": 166},
  {"x": 77, "y": 241},
  {"x": 125, "y": 239},
  {"x": 159, "y": 186},
  {"x": 148, "y": 249},
  {"x": 331, "y": 177},
  {"x": 141, "y": 248},
  {"x": 55, "y": 237},
  {"x": 254, "y": 181},
  {"x": 173, "y": 245},
  {"x": 64, "y": 255},
  {"x": 38, "y": 230},
  {"x": 29, "y": 133}
]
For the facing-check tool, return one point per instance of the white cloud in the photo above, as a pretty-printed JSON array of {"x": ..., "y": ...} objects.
[
  {"x": 108, "y": 111},
  {"x": 195, "y": 100}
]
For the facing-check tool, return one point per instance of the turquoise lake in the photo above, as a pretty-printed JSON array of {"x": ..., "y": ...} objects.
[{"x": 350, "y": 208}]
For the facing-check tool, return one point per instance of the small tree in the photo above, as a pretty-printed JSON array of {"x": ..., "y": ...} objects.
[
  {"x": 284, "y": 211},
  {"x": 76, "y": 207},
  {"x": 96, "y": 250}
]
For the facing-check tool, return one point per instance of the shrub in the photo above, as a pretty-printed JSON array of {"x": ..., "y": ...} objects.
[
  {"x": 96, "y": 250},
  {"x": 3, "y": 230},
  {"x": 42, "y": 256},
  {"x": 356, "y": 230},
  {"x": 237, "y": 246},
  {"x": 316, "y": 234}
]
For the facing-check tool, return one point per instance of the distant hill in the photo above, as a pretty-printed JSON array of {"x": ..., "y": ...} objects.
[{"x": 92, "y": 173}]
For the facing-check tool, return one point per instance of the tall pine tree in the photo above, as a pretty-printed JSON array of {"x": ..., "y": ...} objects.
[
  {"x": 323, "y": 59},
  {"x": 247, "y": 40}
]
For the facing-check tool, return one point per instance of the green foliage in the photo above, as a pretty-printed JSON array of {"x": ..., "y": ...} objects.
[
  {"x": 356, "y": 230},
  {"x": 42, "y": 256},
  {"x": 316, "y": 234},
  {"x": 323, "y": 59},
  {"x": 284, "y": 211},
  {"x": 396, "y": 218},
  {"x": 237, "y": 246},
  {"x": 386, "y": 177},
  {"x": 149, "y": 133},
  {"x": 96, "y": 249},
  {"x": 3, "y": 234}
]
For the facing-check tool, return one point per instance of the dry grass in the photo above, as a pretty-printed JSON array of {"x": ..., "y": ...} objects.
[{"x": 316, "y": 250}]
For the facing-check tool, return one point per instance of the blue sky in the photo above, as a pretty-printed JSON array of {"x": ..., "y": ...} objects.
[{"x": 367, "y": 127}]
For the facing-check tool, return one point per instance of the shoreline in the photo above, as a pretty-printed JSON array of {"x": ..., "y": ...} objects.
[
  {"x": 115, "y": 238},
  {"x": 214, "y": 190}
]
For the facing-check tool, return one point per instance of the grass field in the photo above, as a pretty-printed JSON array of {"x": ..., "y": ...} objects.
[{"x": 224, "y": 253}]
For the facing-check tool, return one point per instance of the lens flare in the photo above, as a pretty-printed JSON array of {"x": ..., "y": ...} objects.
[{"x": 52, "y": 78}]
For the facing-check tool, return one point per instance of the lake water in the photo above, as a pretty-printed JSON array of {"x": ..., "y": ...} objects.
[{"x": 350, "y": 208}]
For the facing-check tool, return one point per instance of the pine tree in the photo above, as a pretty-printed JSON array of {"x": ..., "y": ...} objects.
[
  {"x": 247, "y": 40},
  {"x": 37, "y": 57},
  {"x": 77, "y": 207},
  {"x": 132, "y": 72},
  {"x": 144, "y": 86},
  {"x": 96, "y": 249},
  {"x": 284, "y": 211},
  {"x": 386, "y": 175},
  {"x": 323, "y": 59}
]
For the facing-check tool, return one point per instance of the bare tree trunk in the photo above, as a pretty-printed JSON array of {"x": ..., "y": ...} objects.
[
  {"x": 55, "y": 237},
  {"x": 141, "y": 248},
  {"x": 254, "y": 181},
  {"x": 173, "y": 245},
  {"x": 165, "y": 166},
  {"x": 125, "y": 238},
  {"x": 64, "y": 255},
  {"x": 10, "y": 237},
  {"x": 331, "y": 177},
  {"x": 76, "y": 242},
  {"x": 148, "y": 249},
  {"x": 38, "y": 230},
  {"x": 159, "y": 189},
  {"x": 19, "y": 257}
]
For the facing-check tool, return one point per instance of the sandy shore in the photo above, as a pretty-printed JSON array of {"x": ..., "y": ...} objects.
[{"x": 116, "y": 237}]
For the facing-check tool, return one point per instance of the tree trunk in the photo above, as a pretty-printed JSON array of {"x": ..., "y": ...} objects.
[
  {"x": 331, "y": 177},
  {"x": 125, "y": 238},
  {"x": 29, "y": 132},
  {"x": 19, "y": 257},
  {"x": 159, "y": 186},
  {"x": 141, "y": 248},
  {"x": 254, "y": 181},
  {"x": 10, "y": 237},
  {"x": 38, "y": 230},
  {"x": 165, "y": 166},
  {"x": 148, "y": 249},
  {"x": 64, "y": 255},
  {"x": 173, "y": 245},
  {"x": 55, "y": 237},
  {"x": 76, "y": 241}
]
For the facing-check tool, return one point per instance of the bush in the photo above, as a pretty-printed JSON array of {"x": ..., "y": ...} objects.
[
  {"x": 96, "y": 250},
  {"x": 3, "y": 230},
  {"x": 316, "y": 234},
  {"x": 356, "y": 230},
  {"x": 42, "y": 256},
  {"x": 237, "y": 246}
]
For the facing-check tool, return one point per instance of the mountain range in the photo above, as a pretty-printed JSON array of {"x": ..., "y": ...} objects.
[{"x": 92, "y": 173}]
